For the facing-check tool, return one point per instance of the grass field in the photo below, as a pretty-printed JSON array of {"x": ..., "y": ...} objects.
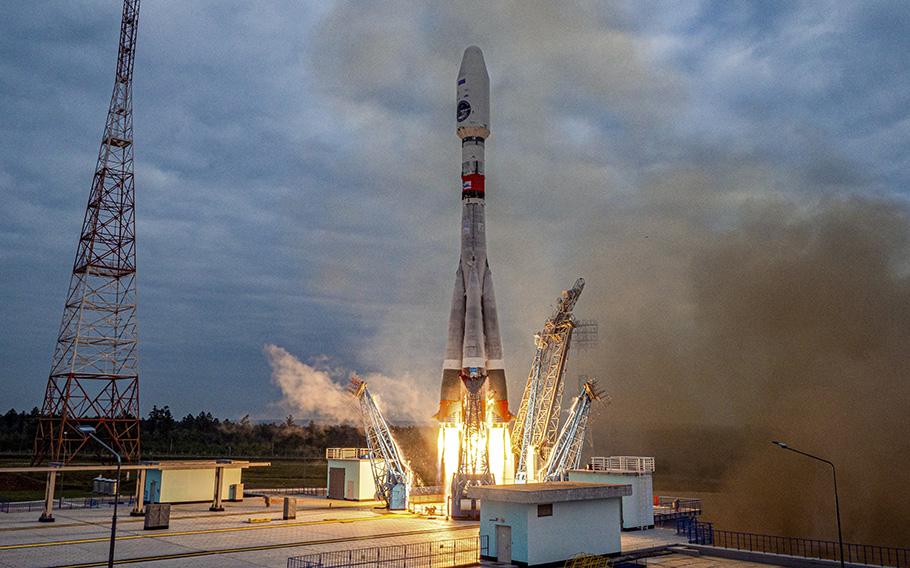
[
  {"x": 284, "y": 472},
  {"x": 287, "y": 472}
]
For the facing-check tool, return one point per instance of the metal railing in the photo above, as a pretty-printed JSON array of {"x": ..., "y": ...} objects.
[
  {"x": 867, "y": 554},
  {"x": 678, "y": 503},
  {"x": 429, "y": 554},
  {"x": 426, "y": 494},
  {"x": 625, "y": 464},
  {"x": 695, "y": 531},
  {"x": 428, "y": 490},
  {"x": 24, "y": 506},
  {"x": 670, "y": 509},
  {"x": 347, "y": 453},
  {"x": 315, "y": 491},
  {"x": 61, "y": 503}
]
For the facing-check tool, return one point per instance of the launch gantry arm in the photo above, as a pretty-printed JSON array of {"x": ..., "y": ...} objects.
[
  {"x": 566, "y": 452},
  {"x": 392, "y": 474},
  {"x": 535, "y": 429}
]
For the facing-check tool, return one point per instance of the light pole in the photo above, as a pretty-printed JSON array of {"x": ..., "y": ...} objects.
[
  {"x": 840, "y": 536},
  {"x": 90, "y": 432}
]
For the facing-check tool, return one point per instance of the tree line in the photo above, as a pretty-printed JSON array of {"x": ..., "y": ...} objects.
[{"x": 205, "y": 435}]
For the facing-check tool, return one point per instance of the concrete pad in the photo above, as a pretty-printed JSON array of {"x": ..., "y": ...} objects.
[
  {"x": 199, "y": 538},
  {"x": 203, "y": 539}
]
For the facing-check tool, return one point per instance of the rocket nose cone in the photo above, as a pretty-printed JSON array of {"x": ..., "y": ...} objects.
[
  {"x": 473, "y": 96},
  {"x": 472, "y": 62}
]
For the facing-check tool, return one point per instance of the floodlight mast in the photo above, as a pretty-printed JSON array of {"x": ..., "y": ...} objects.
[
  {"x": 89, "y": 432},
  {"x": 840, "y": 536}
]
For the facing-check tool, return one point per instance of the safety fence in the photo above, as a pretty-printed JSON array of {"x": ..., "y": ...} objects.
[
  {"x": 867, "y": 554},
  {"x": 695, "y": 531},
  {"x": 60, "y": 503},
  {"x": 625, "y": 464},
  {"x": 314, "y": 491},
  {"x": 426, "y": 494},
  {"x": 347, "y": 453},
  {"x": 667, "y": 510},
  {"x": 431, "y": 554}
]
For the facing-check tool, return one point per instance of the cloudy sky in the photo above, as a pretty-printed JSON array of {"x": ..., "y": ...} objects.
[{"x": 730, "y": 173}]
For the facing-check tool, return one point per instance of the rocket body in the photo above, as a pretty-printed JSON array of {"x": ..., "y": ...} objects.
[{"x": 473, "y": 357}]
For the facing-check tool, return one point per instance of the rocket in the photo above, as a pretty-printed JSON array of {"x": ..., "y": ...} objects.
[{"x": 473, "y": 356}]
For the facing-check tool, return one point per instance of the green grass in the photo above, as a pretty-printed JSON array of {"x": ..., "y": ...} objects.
[{"x": 284, "y": 472}]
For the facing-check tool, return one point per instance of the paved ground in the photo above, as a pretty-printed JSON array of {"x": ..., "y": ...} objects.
[
  {"x": 654, "y": 539},
  {"x": 197, "y": 537},
  {"x": 685, "y": 561}
]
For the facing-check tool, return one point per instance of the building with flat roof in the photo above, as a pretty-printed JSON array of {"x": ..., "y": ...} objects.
[
  {"x": 538, "y": 524},
  {"x": 349, "y": 474},
  {"x": 637, "y": 508},
  {"x": 193, "y": 481}
]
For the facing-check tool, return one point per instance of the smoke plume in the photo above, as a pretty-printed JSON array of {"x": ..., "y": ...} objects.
[
  {"x": 728, "y": 322},
  {"x": 319, "y": 392}
]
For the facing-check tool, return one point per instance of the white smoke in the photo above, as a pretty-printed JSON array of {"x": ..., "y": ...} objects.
[{"x": 319, "y": 392}]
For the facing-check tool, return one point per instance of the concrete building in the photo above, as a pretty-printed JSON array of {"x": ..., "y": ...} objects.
[
  {"x": 638, "y": 507},
  {"x": 190, "y": 482},
  {"x": 545, "y": 523},
  {"x": 349, "y": 474}
]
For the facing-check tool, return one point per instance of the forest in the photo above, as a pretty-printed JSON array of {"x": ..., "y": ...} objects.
[{"x": 203, "y": 434}]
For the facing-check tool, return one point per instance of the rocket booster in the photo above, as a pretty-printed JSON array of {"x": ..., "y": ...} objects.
[{"x": 474, "y": 349}]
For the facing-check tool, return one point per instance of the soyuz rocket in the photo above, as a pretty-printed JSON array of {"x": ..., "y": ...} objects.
[{"x": 473, "y": 356}]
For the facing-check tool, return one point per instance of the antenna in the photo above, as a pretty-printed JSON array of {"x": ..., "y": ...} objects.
[{"x": 94, "y": 377}]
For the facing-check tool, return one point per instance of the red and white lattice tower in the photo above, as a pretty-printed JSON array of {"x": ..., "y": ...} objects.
[{"x": 94, "y": 378}]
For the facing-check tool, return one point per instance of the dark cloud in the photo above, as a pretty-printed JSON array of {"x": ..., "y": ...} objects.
[{"x": 729, "y": 177}]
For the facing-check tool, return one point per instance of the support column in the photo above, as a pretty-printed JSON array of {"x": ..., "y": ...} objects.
[
  {"x": 47, "y": 515},
  {"x": 216, "y": 503},
  {"x": 139, "y": 505}
]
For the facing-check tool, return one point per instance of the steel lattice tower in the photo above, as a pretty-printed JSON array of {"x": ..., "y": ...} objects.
[{"x": 94, "y": 378}]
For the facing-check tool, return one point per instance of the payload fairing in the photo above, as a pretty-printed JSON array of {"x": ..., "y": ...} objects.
[{"x": 473, "y": 354}]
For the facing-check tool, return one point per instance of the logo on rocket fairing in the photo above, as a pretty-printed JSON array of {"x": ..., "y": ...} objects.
[{"x": 464, "y": 110}]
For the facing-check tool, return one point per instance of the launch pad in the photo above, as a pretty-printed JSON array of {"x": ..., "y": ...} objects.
[{"x": 200, "y": 538}]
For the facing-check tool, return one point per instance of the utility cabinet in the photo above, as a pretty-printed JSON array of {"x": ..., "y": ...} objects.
[{"x": 157, "y": 516}]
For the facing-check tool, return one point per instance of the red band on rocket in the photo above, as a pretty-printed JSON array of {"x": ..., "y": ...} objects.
[{"x": 473, "y": 183}]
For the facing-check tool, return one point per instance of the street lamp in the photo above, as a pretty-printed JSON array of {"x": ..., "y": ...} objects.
[
  {"x": 90, "y": 432},
  {"x": 840, "y": 537}
]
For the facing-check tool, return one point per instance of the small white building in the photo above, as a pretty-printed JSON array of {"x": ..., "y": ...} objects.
[
  {"x": 349, "y": 475},
  {"x": 638, "y": 507},
  {"x": 544, "y": 523},
  {"x": 193, "y": 481}
]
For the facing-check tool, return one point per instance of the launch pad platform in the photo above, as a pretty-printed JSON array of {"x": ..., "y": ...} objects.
[{"x": 200, "y": 538}]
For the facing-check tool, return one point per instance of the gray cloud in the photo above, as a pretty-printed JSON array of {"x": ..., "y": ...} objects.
[{"x": 730, "y": 179}]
